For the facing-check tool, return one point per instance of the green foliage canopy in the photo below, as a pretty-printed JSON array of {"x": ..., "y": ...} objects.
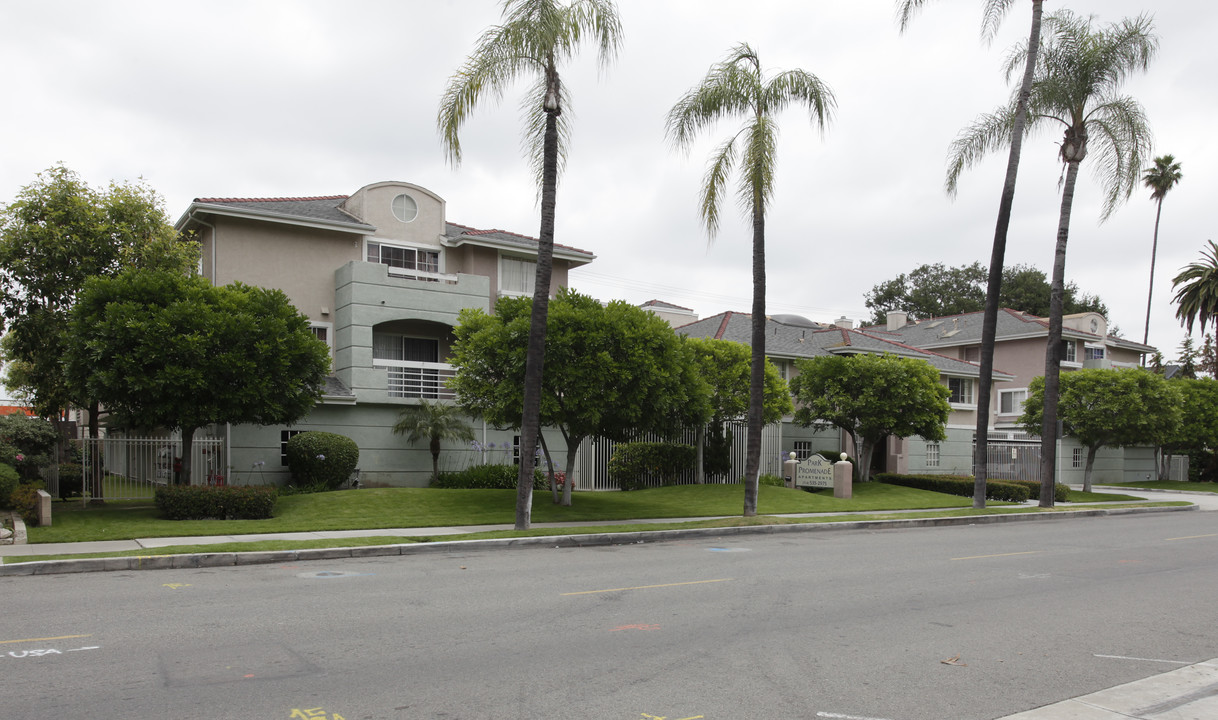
[
  {"x": 162, "y": 350},
  {"x": 870, "y": 397},
  {"x": 1109, "y": 408}
]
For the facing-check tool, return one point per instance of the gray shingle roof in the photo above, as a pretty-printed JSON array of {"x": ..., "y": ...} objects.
[
  {"x": 966, "y": 330},
  {"x": 795, "y": 341},
  {"x": 312, "y": 208}
]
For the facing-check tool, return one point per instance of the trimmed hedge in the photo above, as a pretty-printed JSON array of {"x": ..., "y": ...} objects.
[
  {"x": 958, "y": 485},
  {"x": 226, "y": 502},
  {"x": 9, "y": 479},
  {"x": 1061, "y": 491},
  {"x": 487, "y": 477},
  {"x": 324, "y": 458},
  {"x": 637, "y": 465}
]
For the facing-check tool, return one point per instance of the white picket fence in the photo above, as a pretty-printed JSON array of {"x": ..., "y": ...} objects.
[{"x": 123, "y": 468}]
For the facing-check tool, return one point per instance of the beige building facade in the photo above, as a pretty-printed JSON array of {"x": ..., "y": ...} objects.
[{"x": 382, "y": 276}]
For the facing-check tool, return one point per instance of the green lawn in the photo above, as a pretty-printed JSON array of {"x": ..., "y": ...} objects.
[
  {"x": 416, "y": 507},
  {"x": 1171, "y": 485}
]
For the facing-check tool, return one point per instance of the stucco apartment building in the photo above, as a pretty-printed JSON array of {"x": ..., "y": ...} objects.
[
  {"x": 1019, "y": 353},
  {"x": 381, "y": 274},
  {"x": 791, "y": 337}
]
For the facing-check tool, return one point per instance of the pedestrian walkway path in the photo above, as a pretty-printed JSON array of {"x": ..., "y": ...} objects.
[
  {"x": 1206, "y": 501},
  {"x": 1189, "y": 693}
]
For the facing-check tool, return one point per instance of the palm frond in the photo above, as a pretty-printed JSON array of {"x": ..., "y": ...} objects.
[
  {"x": 723, "y": 160},
  {"x": 992, "y": 16},
  {"x": 804, "y": 88},
  {"x": 758, "y": 161},
  {"x": 986, "y": 134},
  {"x": 727, "y": 90},
  {"x": 1162, "y": 177},
  {"x": 906, "y": 9},
  {"x": 1120, "y": 135},
  {"x": 533, "y": 112},
  {"x": 1197, "y": 290}
]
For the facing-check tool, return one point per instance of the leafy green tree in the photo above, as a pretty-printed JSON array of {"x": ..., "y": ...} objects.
[
  {"x": 1197, "y": 290},
  {"x": 1079, "y": 72},
  {"x": 159, "y": 349},
  {"x": 725, "y": 366},
  {"x": 1198, "y": 433},
  {"x": 1207, "y": 357},
  {"x": 737, "y": 88},
  {"x": 1109, "y": 408},
  {"x": 434, "y": 422},
  {"x": 57, "y": 234},
  {"x": 615, "y": 371},
  {"x": 535, "y": 38},
  {"x": 871, "y": 397},
  {"x": 1160, "y": 178},
  {"x": 1188, "y": 359},
  {"x": 994, "y": 12},
  {"x": 938, "y": 291},
  {"x": 27, "y": 443}
]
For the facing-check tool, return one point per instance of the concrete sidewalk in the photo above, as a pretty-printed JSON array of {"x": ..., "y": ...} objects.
[{"x": 1189, "y": 693}]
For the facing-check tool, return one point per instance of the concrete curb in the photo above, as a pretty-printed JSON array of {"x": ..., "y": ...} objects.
[{"x": 226, "y": 559}]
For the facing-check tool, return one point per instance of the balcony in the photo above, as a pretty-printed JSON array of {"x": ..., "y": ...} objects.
[{"x": 423, "y": 380}]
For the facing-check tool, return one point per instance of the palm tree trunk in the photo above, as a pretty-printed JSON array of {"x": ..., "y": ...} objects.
[
  {"x": 1150, "y": 291},
  {"x": 1048, "y": 432},
  {"x": 752, "y": 457},
  {"x": 989, "y": 322},
  {"x": 530, "y": 422}
]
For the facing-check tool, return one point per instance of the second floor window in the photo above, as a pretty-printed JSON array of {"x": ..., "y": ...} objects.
[
  {"x": 1095, "y": 353},
  {"x": 517, "y": 276},
  {"x": 1069, "y": 353},
  {"x": 1010, "y": 402},
  {"x": 962, "y": 391},
  {"x": 400, "y": 347},
  {"x": 403, "y": 257}
]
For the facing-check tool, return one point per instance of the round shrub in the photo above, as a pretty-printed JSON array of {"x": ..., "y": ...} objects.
[
  {"x": 322, "y": 458},
  {"x": 71, "y": 480},
  {"x": 8, "y": 483},
  {"x": 638, "y": 465}
]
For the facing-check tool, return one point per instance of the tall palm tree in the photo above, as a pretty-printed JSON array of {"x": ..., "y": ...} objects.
[
  {"x": 993, "y": 13},
  {"x": 1079, "y": 71},
  {"x": 736, "y": 87},
  {"x": 434, "y": 422},
  {"x": 1197, "y": 290},
  {"x": 1160, "y": 178},
  {"x": 535, "y": 38}
]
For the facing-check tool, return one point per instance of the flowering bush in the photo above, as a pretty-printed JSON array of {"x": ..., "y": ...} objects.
[{"x": 321, "y": 458}]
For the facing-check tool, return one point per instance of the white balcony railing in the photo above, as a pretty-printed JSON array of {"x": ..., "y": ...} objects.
[
  {"x": 424, "y": 275},
  {"x": 424, "y": 380}
]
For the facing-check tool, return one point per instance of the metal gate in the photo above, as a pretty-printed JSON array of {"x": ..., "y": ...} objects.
[{"x": 132, "y": 468}]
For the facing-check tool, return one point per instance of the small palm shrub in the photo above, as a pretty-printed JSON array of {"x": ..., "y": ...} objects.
[{"x": 323, "y": 458}]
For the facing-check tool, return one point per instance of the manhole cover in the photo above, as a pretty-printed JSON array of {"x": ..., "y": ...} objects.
[
  {"x": 326, "y": 574},
  {"x": 728, "y": 549}
]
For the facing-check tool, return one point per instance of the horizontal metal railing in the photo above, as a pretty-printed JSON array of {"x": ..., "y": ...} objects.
[{"x": 418, "y": 379}]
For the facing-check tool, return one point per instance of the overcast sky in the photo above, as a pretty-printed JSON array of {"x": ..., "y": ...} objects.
[{"x": 252, "y": 98}]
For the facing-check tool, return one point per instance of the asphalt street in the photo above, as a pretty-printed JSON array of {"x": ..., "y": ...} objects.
[{"x": 965, "y": 622}]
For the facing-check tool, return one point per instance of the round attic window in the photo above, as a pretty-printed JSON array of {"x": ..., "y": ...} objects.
[{"x": 405, "y": 208}]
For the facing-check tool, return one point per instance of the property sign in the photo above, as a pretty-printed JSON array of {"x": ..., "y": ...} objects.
[{"x": 814, "y": 472}]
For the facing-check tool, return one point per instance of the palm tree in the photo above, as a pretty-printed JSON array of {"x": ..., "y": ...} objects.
[
  {"x": 535, "y": 38},
  {"x": 993, "y": 14},
  {"x": 434, "y": 422},
  {"x": 736, "y": 87},
  {"x": 1197, "y": 290},
  {"x": 1160, "y": 179},
  {"x": 1079, "y": 71}
]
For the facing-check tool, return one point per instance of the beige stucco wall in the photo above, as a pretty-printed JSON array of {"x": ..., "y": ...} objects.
[
  {"x": 298, "y": 260},
  {"x": 373, "y": 204}
]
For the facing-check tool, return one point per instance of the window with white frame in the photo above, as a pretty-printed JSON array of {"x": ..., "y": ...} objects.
[
  {"x": 401, "y": 347},
  {"x": 1076, "y": 458},
  {"x": 1069, "y": 351},
  {"x": 403, "y": 257},
  {"x": 803, "y": 449},
  {"x": 932, "y": 455},
  {"x": 405, "y": 208},
  {"x": 284, "y": 436},
  {"x": 971, "y": 354},
  {"x": 517, "y": 276},
  {"x": 1095, "y": 352},
  {"x": 962, "y": 391},
  {"x": 1010, "y": 402}
]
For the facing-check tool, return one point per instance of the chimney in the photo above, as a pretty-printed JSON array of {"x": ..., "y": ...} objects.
[
  {"x": 896, "y": 319},
  {"x": 844, "y": 322}
]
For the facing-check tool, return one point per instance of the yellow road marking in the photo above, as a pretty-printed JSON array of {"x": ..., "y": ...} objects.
[
  {"x": 1194, "y": 537},
  {"x": 61, "y": 637},
  {"x": 646, "y": 587},
  {"x": 980, "y": 557}
]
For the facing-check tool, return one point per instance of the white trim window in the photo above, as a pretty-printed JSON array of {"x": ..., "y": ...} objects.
[
  {"x": 1094, "y": 352},
  {"x": 403, "y": 257},
  {"x": 1010, "y": 402},
  {"x": 1076, "y": 458},
  {"x": 1069, "y": 352},
  {"x": 932, "y": 455},
  {"x": 803, "y": 449},
  {"x": 962, "y": 392},
  {"x": 517, "y": 276}
]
